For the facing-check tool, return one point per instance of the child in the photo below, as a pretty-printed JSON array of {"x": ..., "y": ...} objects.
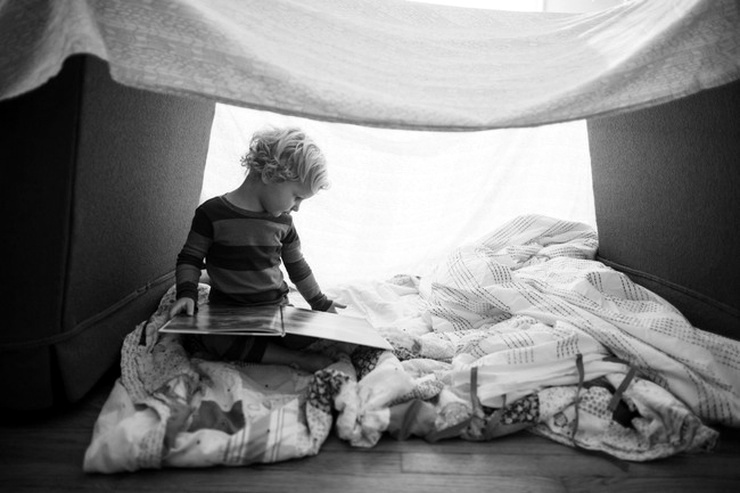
[{"x": 244, "y": 234}]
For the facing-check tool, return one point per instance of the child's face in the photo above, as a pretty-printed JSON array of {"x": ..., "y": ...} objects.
[{"x": 285, "y": 197}]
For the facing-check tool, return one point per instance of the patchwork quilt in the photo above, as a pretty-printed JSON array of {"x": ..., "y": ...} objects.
[{"x": 521, "y": 331}]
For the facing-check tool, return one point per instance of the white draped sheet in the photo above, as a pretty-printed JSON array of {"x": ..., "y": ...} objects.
[{"x": 384, "y": 63}]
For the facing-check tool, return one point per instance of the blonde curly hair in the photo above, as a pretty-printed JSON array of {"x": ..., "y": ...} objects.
[{"x": 286, "y": 154}]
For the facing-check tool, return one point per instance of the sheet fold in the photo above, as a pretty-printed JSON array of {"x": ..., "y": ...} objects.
[{"x": 384, "y": 62}]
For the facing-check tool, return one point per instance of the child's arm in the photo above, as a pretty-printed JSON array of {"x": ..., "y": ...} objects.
[
  {"x": 190, "y": 264},
  {"x": 305, "y": 282},
  {"x": 301, "y": 275}
]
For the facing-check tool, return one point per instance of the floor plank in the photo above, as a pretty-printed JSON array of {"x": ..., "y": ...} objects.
[
  {"x": 577, "y": 464},
  {"x": 651, "y": 485}
]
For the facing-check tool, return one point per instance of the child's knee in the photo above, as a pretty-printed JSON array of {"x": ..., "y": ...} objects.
[{"x": 235, "y": 348}]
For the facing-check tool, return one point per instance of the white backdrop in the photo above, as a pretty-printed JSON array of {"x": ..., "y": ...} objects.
[{"x": 400, "y": 199}]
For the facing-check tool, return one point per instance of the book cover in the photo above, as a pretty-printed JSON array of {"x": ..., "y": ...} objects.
[{"x": 277, "y": 321}]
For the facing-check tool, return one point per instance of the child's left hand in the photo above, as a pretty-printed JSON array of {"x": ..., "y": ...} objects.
[{"x": 334, "y": 306}]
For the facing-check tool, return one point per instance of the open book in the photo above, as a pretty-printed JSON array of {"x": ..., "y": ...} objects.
[{"x": 276, "y": 321}]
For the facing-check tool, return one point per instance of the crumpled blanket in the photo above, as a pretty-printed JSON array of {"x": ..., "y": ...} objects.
[
  {"x": 169, "y": 409},
  {"x": 522, "y": 330}
]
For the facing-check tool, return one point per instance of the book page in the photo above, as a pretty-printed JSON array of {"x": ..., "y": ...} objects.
[
  {"x": 332, "y": 326},
  {"x": 231, "y": 320},
  {"x": 276, "y": 321}
]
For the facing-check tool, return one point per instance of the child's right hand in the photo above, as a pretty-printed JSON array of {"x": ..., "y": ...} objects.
[{"x": 186, "y": 305}]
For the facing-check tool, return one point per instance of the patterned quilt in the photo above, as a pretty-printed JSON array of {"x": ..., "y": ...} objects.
[{"x": 521, "y": 330}]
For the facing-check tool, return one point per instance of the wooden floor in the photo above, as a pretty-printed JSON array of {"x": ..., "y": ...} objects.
[{"x": 44, "y": 454}]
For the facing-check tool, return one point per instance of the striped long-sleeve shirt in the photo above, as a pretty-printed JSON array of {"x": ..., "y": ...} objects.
[{"x": 242, "y": 251}]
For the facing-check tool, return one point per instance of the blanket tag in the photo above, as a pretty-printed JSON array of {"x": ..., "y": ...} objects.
[{"x": 577, "y": 401}]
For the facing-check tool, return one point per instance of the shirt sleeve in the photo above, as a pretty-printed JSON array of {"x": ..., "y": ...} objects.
[
  {"x": 300, "y": 273},
  {"x": 190, "y": 260}
]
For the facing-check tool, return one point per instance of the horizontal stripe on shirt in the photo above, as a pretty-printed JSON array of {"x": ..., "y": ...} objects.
[
  {"x": 245, "y": 282},
  {"x": 271, "y": 297},
  {"x": 243, "y": 257}
]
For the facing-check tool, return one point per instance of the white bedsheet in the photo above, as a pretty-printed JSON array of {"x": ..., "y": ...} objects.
[
  {"x": 535, "y": 283},
  {"x": 522, "y": 330}
]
